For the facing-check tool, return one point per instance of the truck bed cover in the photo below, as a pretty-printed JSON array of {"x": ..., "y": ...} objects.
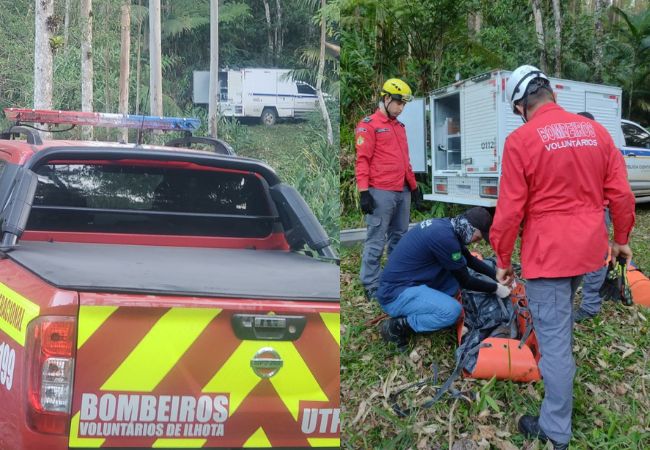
[{"x": 204, "y": 272}]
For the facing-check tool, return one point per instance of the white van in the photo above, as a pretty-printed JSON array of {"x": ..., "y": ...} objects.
[
  {"x": 267, "y": 94},
  {"x": 469, "y": 123},
  {"x": 637, "y": 158}
]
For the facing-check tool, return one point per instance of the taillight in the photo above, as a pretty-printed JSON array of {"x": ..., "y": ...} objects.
[
  {"x": 440, "y": 185},
  {"x": 50, "y": 357},
  {"x": 489, "y": 187}
]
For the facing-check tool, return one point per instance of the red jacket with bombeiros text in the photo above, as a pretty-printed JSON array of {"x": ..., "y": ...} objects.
[
  {"x": 558, "y": 170},
  {"x": 382, "y": 154}
]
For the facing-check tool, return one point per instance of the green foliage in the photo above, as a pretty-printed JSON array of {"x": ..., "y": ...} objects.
[
  {"x": 185, "y": 43},
  {"x": 16, "y": 53},
  {"x": 310, "y": 55},
  {"x": 427, "y": 43},
  {"x": 189, "y": 15},
  {"x": 56, "y": 42},
  {"x": 631, "y": 65}
]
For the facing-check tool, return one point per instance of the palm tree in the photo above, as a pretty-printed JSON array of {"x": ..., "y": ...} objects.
[
  {"x": 316, "y": 59},
  {"x": 321, "y": 71},
  {"x": 636, "y": 36}
]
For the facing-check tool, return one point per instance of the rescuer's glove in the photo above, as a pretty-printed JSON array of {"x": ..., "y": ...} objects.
[
  {"x": 367, "y": 202},
  {"x": 502, "y": 291},
  {"x": 417, "y": 201},
  {"x": 616, "y": 286}
]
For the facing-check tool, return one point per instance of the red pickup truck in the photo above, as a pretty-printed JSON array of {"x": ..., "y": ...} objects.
[{"x": 156, "y": 296}]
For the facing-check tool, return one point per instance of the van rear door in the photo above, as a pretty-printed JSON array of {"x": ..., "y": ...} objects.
[{"x": 306, "y": 99}]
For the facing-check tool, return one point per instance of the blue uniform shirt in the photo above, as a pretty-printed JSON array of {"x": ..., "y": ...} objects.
[{"x": 425, "y": 255}]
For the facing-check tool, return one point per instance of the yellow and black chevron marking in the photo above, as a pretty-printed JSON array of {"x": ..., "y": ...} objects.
[{"x": 170, "y": 335}]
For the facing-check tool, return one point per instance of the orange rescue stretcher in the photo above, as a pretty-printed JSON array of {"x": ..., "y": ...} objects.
[
  {"x": 504, "y": 358},
  {"x": 639, "y": 285},
  {"x": 516, "y": 360}
]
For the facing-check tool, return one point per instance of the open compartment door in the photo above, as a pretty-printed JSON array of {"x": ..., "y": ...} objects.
[{"x": 414, "y": 118}]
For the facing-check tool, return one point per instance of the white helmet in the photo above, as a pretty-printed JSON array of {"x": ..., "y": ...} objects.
[{"x": 518, "y": 82}]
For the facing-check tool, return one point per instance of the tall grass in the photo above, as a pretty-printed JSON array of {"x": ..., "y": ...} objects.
[{"x": 316, "y": 176}]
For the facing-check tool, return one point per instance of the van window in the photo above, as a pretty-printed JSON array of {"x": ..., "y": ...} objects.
[
  {"x": 115, "y": 198},
  {"x": 635, "y": 136},
  {"x": 305, "y": 89}
]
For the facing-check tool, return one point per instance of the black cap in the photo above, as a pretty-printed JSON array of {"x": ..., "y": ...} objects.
[
  {"x": 480, "y": 219},
  {"x": 586, "y": 114}
]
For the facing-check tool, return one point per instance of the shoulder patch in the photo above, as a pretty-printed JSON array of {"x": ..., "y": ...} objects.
[
  {"x": 382, "y": 130},
  {"x": 360, "y": 140},
  {"x": 456, "y": 256},
  {"x": 367, "y": 119}
]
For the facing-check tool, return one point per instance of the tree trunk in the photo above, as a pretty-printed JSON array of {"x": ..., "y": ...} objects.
[
  {"x": 107, "y": 60},
  {"x": 269, "y": 32},
  {"x": 557, "y": 14},
  {"x": 43, "y": 55},
  {"x": 138, "y": 63},
  {"x": 321, "y": 71},
  {"x": 155, "y": 67},
  {"x": 279, "y": 35},
  {"x": 66, "y": 26},
  {"x": 215, "y": 91},
  {"x": 598, "y": 41},
  {"x": 539, "y": 30},
  {"x": 125, "y": 53},
  {"x": 87, "y": 63},
  {"x": 474, "y": 21},
  {"x": 575, "y": 7}
]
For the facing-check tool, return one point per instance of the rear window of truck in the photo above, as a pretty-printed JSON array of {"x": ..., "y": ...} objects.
[{"x": 116, "y": 198}]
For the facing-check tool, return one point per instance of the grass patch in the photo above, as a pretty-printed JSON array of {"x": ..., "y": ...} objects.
[
  {"x": 611, "y": 403},
  {"x": 280, "y": 145}
]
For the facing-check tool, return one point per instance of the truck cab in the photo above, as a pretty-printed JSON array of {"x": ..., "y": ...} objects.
[{"x": 160, "y": 296}]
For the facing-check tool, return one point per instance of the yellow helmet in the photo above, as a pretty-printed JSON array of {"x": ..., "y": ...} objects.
[{"x": 397, "y": 89}]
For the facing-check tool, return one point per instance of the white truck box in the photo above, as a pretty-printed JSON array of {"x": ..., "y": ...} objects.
[
  {"x": 469, "y": 123},
  {"x": 267, "y": 94}
]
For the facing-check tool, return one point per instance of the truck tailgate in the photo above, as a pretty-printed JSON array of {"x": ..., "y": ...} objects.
[{"x": 187, "y": 372}]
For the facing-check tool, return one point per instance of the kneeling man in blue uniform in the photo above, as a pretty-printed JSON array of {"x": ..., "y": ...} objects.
[{"x": 425, "y": 271}]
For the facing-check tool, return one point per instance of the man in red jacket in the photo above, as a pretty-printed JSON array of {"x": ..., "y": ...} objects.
[
  {"x": 385, "y": 179},
  {"x": 557, "y": 171}
]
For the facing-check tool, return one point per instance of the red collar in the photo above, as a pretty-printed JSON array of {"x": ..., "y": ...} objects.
[
  {"x": 544, "y": 109},
  {"x": 383, "y": 117}
]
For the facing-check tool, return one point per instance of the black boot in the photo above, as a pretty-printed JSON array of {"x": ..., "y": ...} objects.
[
  {"x": 581, "y": 315},
  {"x": 529, "y": 427},
  {"x": 398, "y": 331}
]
